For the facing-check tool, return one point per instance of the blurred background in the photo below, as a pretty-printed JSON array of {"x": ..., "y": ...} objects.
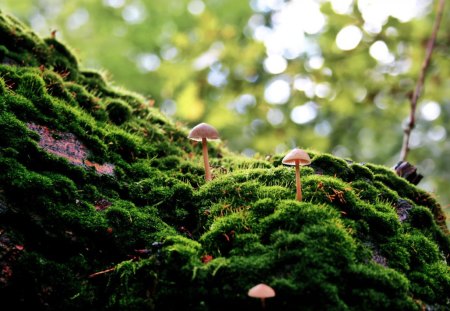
[{"x": 330, "y": 75}]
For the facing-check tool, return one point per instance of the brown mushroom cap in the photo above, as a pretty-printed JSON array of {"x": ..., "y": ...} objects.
[
  {"x": 296, "y": 154},
  {"x": 203, "y": 130},
  {"x": 261, "y": 291}
]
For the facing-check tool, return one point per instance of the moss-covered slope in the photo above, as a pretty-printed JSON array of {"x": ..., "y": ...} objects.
[{"x": 103, "y": 206}]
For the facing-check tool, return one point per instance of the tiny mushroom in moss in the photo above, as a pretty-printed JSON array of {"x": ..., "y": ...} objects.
[
  {"x": 204, "y": 132},
  {"x": 297, "y": 157},
  {"x": 261, "y": 291}
]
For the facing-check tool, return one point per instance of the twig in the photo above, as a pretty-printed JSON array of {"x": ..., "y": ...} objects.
[
  {"x": 420, "y": 82},
  {"x": 101, "y": 272}
]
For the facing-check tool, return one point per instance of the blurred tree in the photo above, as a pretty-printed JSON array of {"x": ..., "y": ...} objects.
[{"x": 335, "y": 76}]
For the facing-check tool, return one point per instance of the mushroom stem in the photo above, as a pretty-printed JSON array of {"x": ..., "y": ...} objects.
[
  {"x": 263, "y": 303},
  {"x": 205, "y": 160},
  {"x": 297, "y": 180}
]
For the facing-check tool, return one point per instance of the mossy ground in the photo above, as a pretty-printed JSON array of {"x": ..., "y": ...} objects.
[{"x": 154, "y": 236}]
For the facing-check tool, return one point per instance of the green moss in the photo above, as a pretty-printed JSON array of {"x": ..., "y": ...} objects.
[
  {"x": 119, "y": 217},
  {"x": 362, "y": 238},
  {"x": 366, "y": 191},
  {"x": 293, "y": 216},
  {"x": 431, "y": 284},
  {"x": 275, "y": 192},
  {"x": 118, "y": 111},
  {"x": 46, "y": 282},
  {"x": 2, "y": 87},
  {"x": 332, "y": 166},
  {"x": 362, "y": 172},
  {"x": 219, "y": 239},
  {"x": 263, "y": 207},
  {"x": 377, "y": 288},
  {"x": 83, "y": 98},
  {"x": 19, "y": 39},
  {"x": 247, "y": 244},
  {"x": 421, "y": 217},
  {"x": 62, "y": 51},
  {"x": 12, "y": 130},
  {"x": 55, "y": 86},
  {"x": 132, "y": 285}
]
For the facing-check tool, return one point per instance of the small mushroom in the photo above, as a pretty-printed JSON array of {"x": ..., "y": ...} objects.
[
  {"x": 261, "y": 291},
  {"x": 297, "y": 157},
  {"x": 204, "y": 132}
]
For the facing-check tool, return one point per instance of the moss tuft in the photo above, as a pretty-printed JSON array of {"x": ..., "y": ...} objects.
[{"x": 118, "y": 111}]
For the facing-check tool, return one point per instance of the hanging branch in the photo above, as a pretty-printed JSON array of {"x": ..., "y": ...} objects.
[{"x": 420, "y": 82}]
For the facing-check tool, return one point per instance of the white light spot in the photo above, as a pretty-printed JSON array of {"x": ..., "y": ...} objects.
[
  {"x": 323, "y": 128},
  {"x": 38, "y": 22},
  {"x": 266, "y": 5},
  {"x": 275, "y": 64},
  {"x": 256, "y": 124},
  {"x": 430, "y": 111},
  {"x": 376, "y": 12},
  {"x": 209, "y": 57},
  {"x": 275, "y": 116},
  {"x": 277, "y": 92},
  {"x": 148, "y": 62},
  {"x": 415, "y": 139},
  {"x": 348, "y": 38},
  {"x": 306, "y": 85},
  {"x": 342, "y": 6},
  {"x": 248, "y": 152},
  {"x": 218, "y": 74},
  {"x": 77, "y": 19},
  {"x": 316, "y": 62},
  {"x": 398, "y": 10},
  {"x": 242, "y": 103},
  {"x": 327, "y": 71},
  {"x": 290, "y": 21},
  {"x": 196, "y": 7},
  {"x": 114, "y": 3},
  {"x": 359, "y": 94},
  {"x": 262, "y": 33},
  {"x": 169, "y": 53},
  {"x": 255, "y": 21},
  {"x": 428, "y": 185},
  {"x": 437, "y": 133},
  {"x": 380, "y": 101},
  {"x": 304, "y": 113},
  {"x": 168, "y": 107},
  {"x": 391, "y": 32},
  {"x": 322, "y": 90},
  {"x": 134, "y": 13},
  {"x": 379, "y": 51},
  {"x": 281, "y": 148},
  {"x": 341, "y": 151}
]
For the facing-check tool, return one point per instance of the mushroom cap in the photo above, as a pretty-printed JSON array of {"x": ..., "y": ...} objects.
[
  {"x": 296, "y": 154},
  {"x": 261, "y": 291},
  {"x": 203, "y": 130}
]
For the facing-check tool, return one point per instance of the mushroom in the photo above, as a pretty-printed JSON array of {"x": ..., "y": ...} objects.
[
  {"x": 297, "y": 157},
  {"x": 261, "y": 291},
  {"x": 203, "y": 132}
]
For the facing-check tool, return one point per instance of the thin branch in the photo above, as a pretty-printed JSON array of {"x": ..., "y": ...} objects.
[
  {"x": 101, "y": 272},
  {"x": 420, "y": 82}
]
